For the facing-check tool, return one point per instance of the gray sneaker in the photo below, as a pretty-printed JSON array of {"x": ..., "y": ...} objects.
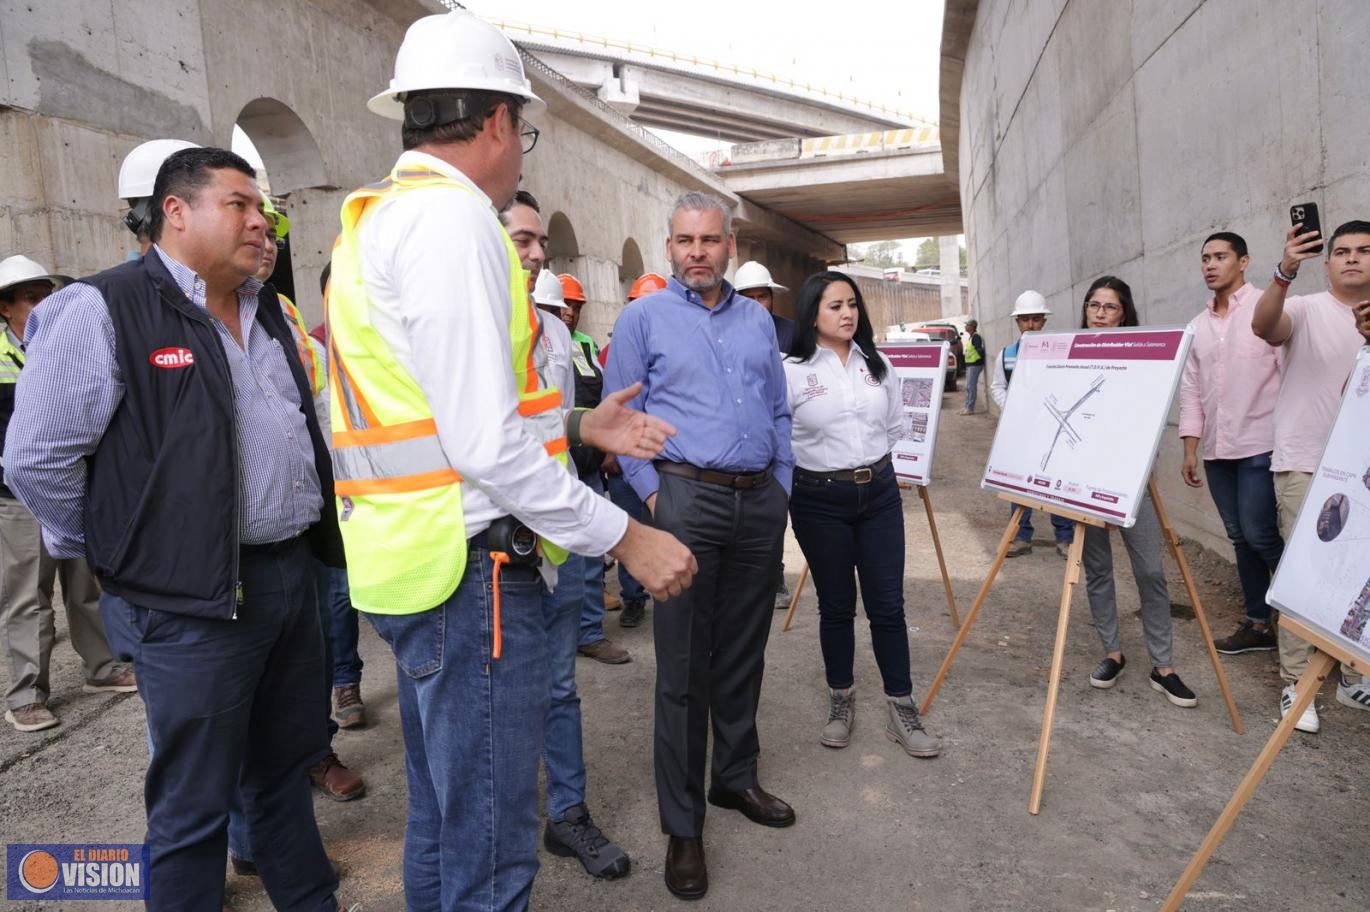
[
  {"x": 576, "y": 836},
  {"x": 841, "y": 715},
  {"x": 906, "y": 730}
]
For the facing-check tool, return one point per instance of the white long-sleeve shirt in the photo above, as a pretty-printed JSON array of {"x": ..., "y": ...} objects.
[
  {"x": 437, "y": 273},
  {"x": 843, "y": 417}
]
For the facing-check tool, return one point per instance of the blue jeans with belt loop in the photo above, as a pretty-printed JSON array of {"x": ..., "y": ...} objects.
[
  {"x": 1244, "y": 492},
  {"x": 843, "y": 527},
  {"x": 472, "y": 730}
]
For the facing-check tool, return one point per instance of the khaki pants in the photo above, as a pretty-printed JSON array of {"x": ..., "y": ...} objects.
[
  {"x": 1295, "y": 653},
  {"x": 26, "y": 618}
]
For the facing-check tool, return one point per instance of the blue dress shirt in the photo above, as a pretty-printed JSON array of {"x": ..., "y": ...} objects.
[{"x": 714, "y": 374}]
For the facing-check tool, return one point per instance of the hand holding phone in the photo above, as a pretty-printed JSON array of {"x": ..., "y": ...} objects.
[
  {"x": 1362, "y": 312},
  {"x": 1305, "y": 217}
]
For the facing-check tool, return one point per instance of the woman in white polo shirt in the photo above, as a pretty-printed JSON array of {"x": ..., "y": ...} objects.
[{"x": 845, "y": 505}]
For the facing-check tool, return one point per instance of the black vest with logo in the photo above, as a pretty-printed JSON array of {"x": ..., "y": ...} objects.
[{"x": 163, "y": 500}]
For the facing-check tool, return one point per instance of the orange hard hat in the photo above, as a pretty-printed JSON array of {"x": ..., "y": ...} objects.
[
  {"x": 570, "y": 288},
  {"x": 646, "y": 284}
]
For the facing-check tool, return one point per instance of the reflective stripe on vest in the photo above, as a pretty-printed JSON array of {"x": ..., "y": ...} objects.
[
  {"x": 400, "y": 498},
  {"x": 313, "y": 365}
]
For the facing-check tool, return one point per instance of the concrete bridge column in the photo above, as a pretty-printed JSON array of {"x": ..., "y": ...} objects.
[{"x": 949, "y": 255}]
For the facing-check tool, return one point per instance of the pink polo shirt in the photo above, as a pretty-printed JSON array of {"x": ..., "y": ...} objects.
[
  {"x": 1230, "y": 382},
  {"x": 1318, "y": 357}
]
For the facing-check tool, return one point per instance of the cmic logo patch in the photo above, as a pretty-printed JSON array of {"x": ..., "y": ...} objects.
[
  {"x": 171, "y": 358},
  {"x": 52, "y": 871}
]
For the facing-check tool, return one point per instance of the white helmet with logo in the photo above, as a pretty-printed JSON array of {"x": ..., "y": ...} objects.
[
  {"x": 752, "y": 274},
  {"x": 1030, "y": 304},
  {"x": 547, "y": 290},
  {"x": 456, "y": 50},
  {"x": 20, "y": 270},
  {"x": 138, "y": 173}
]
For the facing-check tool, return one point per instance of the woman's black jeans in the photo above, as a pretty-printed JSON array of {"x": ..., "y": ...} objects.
[{"x": 843, "y": 527}]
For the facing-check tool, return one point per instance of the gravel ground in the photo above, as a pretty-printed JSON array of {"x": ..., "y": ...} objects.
[{"x": 1132, "y": 786}]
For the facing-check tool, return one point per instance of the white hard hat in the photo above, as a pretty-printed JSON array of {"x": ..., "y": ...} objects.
[
  {"x": 547, "y": 290},
  {"x": 752, "y": 274},
  {"x": 138, "y": 173},
  {"x": 19, "y": 270},
  {"x": 1030, "y": 304},
  {"x": 456, "y": 50}
]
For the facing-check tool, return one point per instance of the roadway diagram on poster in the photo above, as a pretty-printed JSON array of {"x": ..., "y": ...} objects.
[
  {"x": 920, "y": 372},
  {"x": 1084, "y": 414},
  {"x": 1324, "y": 576}
]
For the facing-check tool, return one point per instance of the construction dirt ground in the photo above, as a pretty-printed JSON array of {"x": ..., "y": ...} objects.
[{"x": 1132, "y": 786}]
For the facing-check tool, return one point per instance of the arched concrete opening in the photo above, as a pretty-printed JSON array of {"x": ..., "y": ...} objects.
[
  {"x": 629, "y": 267},
  {"x": 563, "y": 250},
  {"x": 291, "y": 156}
]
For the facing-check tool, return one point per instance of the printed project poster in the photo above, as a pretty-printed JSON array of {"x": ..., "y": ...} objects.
[
  {"x": 1324, "y": 576},
  {"x": 1085, "y": 412},
  {"x": 920, "y": 369}
]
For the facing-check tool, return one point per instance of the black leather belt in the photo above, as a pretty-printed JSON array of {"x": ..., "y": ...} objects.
[
  {"x": 860, "y": 475},
  {"x": 742, "y": 482},
  {"x": 276, "y": 547}
]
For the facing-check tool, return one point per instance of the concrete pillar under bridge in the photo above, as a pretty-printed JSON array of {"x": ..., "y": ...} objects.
[{"x": 949, "y": 257}]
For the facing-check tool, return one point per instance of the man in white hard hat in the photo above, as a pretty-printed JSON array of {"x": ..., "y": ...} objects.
[
  {"x": 571, "y": 830},
  {"x": 27, "y": 571},
  {"x": 754, "y": 280},
  {"x": 1030, "y": 312},
  {"x": 450, "y": 456},
  {"x": 137, "y": 176}
]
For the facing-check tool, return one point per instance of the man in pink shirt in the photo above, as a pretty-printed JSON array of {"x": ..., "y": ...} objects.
[
  {"x": 1227, "y": 414},
  {"x": 1320, "y": 339}
]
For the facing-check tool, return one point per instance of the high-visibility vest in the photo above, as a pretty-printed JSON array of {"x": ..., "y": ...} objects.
[
  {"x": 11, "y": 357},
  {"x": 1010, "y": 356},
  {"x": 399, "y": 499},
  {"x": 313, "y": 364},
  {"x": 972, "y": 356}
]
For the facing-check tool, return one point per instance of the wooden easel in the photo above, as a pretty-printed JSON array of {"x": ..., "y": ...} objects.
[
  {"x": 936, "y": 543},
  {"x": 1072, "y": 577},
  {"x": 1327, "y": 654}
]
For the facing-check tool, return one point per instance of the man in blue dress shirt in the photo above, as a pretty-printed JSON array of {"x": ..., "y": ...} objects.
[{"x": 709, "y": 364}]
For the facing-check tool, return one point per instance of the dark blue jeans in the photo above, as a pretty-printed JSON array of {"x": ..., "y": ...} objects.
[
  {"x": 472, "y": 740},
  {"x": 233, "y": 705},
  {"x": 843, "y": 527},
  {"x": 1064, "y": 528},
  {"x": 1244, "y": 492},
  {"x": 341, "y": 621},
  {"x": 563, "y": 751},
  {"x": 588, "y": 586},
  {"x": 626, "y": 499}
]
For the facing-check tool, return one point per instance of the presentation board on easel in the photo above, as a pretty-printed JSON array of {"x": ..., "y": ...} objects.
[
  {"x": 921, "y": 372},
  {"x": 1322, "y": 589},
  {"x": 1085, "y": 412}
]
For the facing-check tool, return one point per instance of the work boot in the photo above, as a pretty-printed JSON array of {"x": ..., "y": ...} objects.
[
  {"x": 335, "y": 780},
  {"x": 906, "y": 730},
  {"x": 121, "y": 681},
  {"x": 782, "y": 597},
  {"x": 1063, "y": 549},
  {"x": 612, "y": 602},
  {"x": 605, "y": 651},
  {"x": 841, "y": 715},
  {"x": 31, "y": 717},
  {"x": 1019, "y": 548},
  {"x": 576, "y": 836},
  {"x": 348, "y": 707},
  {"x": 634, "y": 611}
]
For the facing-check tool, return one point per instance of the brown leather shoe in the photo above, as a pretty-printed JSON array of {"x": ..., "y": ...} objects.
[
  {"x": 612, "y": 602},
  {"x": 687, "y": 877},
  {"x": 122, "y": 681},
  {"x": 605, "y": 651},
  {"x": 335, "y": 780},
  {"x": 756, "y": 804}
]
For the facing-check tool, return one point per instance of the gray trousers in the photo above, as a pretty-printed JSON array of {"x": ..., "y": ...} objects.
[
  {"x": 26, "y": 617},
  {"x": 711, "y": 641},
  {"x": 1143, "y": 543}
]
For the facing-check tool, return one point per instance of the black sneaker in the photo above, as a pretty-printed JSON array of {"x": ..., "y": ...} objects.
[
  {"x": 633, "y": 613},
  {"x": 1106, "y": 675},
  {"x": 1248, "y": 639},
  {"x": 1173, "y": 688},
  {"x": 577, "y": 837}
]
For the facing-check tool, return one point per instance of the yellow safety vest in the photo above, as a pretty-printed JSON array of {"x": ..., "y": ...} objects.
[
  {"x": 399, "y": 499},
  {"x": 309, "y": 356}
]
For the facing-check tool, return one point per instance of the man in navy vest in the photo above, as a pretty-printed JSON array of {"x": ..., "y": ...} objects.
[{"x": 164, "y": 430}]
